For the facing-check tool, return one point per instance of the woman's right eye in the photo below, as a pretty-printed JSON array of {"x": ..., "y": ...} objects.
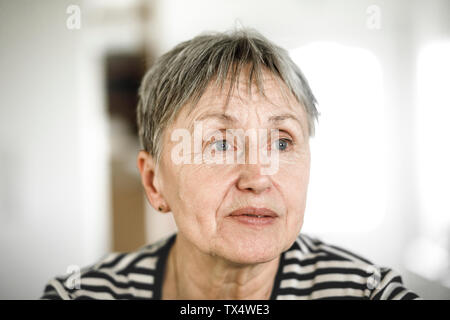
[{"x": 221, "y": 145}]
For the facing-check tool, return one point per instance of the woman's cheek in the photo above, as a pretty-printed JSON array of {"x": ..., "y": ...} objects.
[
  {"x": 199, "y": 189},
  {"x": 293, "y": 180}
]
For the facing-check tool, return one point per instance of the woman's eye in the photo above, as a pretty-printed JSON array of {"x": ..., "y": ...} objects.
[
  {"x": 221, "y": 145},
  {"x": 282, "y": 144},
  {"x": 224, "y": 145}
]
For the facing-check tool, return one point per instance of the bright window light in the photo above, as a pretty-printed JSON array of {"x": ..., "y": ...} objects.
[
  {"x": 433, "y": 138},
  {"x": 347, "y": 191},
  {"x": 429, "y": 254}
]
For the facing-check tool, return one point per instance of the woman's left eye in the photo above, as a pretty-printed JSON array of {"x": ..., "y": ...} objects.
[{"x": 282, "y": 144}]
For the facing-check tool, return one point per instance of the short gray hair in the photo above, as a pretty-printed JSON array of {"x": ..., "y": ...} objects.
[{"x": 181, "y": 76}]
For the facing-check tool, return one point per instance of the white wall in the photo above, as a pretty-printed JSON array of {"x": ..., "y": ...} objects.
[{"x": 48, "y": 218}]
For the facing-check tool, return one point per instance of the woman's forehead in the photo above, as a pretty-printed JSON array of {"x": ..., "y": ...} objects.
[{"x": 240, "y": 101}]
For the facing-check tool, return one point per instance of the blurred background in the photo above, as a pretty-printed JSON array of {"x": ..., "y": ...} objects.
[{"x": 70, "y": 190}]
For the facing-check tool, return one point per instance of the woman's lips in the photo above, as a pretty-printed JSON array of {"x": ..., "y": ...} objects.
[
  {"x": 264, "y": 212},
  {"x": 254, "y": 216}
]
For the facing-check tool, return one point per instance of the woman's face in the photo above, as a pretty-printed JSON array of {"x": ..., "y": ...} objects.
[{"x": 202, "y": 196}]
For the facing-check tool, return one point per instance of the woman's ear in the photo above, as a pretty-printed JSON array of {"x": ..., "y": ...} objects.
[{"x": 147, "y": 167}]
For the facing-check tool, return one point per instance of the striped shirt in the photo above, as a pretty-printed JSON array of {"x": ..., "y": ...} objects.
[{"x": 310, "y": 269}]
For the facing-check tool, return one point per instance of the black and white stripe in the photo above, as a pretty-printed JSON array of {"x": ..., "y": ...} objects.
[{"x": 310, "y": 269}]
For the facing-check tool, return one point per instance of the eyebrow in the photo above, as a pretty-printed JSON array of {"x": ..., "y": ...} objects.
[{"x": 226, "y": 118}]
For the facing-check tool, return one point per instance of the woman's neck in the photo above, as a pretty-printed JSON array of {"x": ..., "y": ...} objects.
[{"x": 191, "y": 274}]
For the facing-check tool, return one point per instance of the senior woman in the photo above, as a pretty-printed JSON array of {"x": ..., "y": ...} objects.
[{"x": 238, "y": 222}]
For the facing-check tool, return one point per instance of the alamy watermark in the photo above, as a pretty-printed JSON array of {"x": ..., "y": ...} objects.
[
  {"x": 74, "y": 279},
  {"x": 73, "y": 21},
  {"x": 219, "y": 147},
  {"x": 373, "y": 21},
  {"x": 374, "y": 280}
]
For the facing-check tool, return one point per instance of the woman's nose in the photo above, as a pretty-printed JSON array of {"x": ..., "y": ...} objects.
[{"x": 251, "y": 179}]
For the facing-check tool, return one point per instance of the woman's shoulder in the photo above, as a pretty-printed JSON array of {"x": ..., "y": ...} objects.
[
  {"x": 308, "y": 245},
  {"x": 117, "y": 275},
  {"x": 315, "y": 269}
]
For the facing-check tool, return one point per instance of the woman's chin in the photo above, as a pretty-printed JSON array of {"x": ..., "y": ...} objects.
[
  {"x": 251, "y": 258},
  {"x": 250, "y": 251}
]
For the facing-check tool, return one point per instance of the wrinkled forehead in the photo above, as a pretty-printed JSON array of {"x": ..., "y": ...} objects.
[{"x": 270, "y": 97}]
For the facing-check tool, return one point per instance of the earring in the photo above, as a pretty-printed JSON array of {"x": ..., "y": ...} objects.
[{"x": 160, "y": 208}]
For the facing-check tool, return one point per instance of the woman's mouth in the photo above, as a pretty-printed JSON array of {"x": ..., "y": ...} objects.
[{"x": 254, "y": 216}]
